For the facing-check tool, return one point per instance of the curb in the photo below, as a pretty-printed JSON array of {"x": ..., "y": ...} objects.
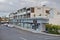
[
  {"x": 33, "y": 31},
  {"x": 50, "y": 34}
]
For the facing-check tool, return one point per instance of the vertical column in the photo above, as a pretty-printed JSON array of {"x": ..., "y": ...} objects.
[
  {"x": 30, "y": 26},
  {"x": 40, "y": 27},
  {"x": 23, "y": 25},
  {"x": 43, "y": 27}
]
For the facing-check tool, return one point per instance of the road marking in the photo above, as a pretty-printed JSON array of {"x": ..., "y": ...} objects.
[{"x": 23, "y": 38}]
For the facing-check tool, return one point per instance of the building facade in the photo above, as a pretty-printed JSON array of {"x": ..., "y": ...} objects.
[{"x": 33, "y": 17}]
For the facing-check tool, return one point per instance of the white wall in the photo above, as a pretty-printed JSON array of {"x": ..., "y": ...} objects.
[
  {"x": 40, "y": 10},
  {"x": 54, "y": 18}
]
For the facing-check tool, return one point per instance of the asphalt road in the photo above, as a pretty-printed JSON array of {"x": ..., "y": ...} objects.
[{"x": 7, "y": 33}]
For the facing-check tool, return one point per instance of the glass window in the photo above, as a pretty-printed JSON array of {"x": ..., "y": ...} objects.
[
  {"x": 15, "y": 17},
  {"x": 32, "y": 10},
  {"x": 39, "y": 8},
  {"x": 18, "y": 11},
  {"x": 28, "y": 15},
  {"x": 28, "y": 9},
  {"x": 24, "y": 9},
  {"x": 58, "y": 13},
  {"x": 34, "y": 15},
  {"x": 47, "y": 11},
  {"x": 39, "y": 14}
]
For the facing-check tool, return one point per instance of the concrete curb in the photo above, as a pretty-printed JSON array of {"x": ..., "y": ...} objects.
[
  {"x": 50, "y": 34},
  {"x": 34, "y": 31}
]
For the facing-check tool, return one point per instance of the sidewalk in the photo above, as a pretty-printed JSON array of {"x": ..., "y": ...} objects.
[{"x": 34, "y": 31}]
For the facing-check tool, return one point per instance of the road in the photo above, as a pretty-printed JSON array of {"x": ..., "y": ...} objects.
[{"x": 7, "y": 33}]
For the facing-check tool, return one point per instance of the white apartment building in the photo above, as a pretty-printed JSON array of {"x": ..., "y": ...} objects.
[
  {"x": 25, "y": 16},
  {"x": 31, "y": 12},
  {"x": 54, "y": 17}
]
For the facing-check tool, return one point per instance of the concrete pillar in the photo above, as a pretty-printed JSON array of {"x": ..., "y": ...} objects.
[
  {"x": 42, "y": 27},
  {"x": 30, "y": 26},
  {"x": 23, "y": 25}
]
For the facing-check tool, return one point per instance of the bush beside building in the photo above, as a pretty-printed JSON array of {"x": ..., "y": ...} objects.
[{"x": 54, "y": 29}]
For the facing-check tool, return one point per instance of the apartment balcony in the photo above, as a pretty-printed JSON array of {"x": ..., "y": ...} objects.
[
  {"x": 10, "y": 17},
  {"x": 29, "y": 11},
  {"x": 21, "y": 13},
  {"x": 43, "y": 17}
]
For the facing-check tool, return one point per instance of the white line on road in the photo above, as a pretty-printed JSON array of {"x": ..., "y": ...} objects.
[{"x": 23, "y": 38}]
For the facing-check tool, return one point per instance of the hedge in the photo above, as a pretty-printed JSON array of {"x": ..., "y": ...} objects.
[{"x": 54, "y": 29}]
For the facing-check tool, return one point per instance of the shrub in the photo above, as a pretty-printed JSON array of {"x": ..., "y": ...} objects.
[{"x": 52, "y": 28}]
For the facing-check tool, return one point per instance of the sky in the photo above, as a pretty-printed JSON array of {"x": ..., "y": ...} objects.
[{"x": 9, "y": 6}]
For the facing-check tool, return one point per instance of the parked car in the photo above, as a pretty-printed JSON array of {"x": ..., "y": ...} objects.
[
  {"x": 8, "y": 25},
  {"x": 11, "y": 25},
  {"x": 5, "y": 24}
]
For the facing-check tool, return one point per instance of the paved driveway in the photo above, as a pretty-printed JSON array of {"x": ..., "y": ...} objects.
[{"x": 7, "y": 33}]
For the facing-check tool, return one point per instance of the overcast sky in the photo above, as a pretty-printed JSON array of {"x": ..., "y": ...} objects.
[{"x": 8, "y": 6}]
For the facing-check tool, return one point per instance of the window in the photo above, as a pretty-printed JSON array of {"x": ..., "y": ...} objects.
[
  {"x": 34, "y": 15},
  {"x": 24, "y": 15},
  {"x": 28, "y": 15},
  {"x": 47, "y": 11},
  {"x": 18, "y": 16},
  {"x": 46, "y": 15},
  {"x": 39, "y": 8},
  {"x": 24, "y": 9},
  {"x": 14, "y": 17},
  {"x": 28, "y": 9},
  {"x": 34, "y": 21},
  {"x": 32, "y": 10},
  {"x": 40, "y": 15},
  {"x": 21, "y": 10},
  {"x": 58, "y": 13},
  {"x": 18, "y": 10},
  {"x": 15, "y": 13},
  {"x": 21, "y": 16}
]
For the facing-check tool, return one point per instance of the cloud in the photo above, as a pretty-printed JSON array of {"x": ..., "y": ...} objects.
[
  {"x": 44, "y": 2},
  {"x": 2, "y": 0},
  {"x": 11, "y": 3},
  {"x": 29, "y": 0},
  {"x": 8, "y": 6}
]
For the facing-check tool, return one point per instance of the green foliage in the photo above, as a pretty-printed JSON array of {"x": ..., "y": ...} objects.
[{"x": 52, "y": 28}]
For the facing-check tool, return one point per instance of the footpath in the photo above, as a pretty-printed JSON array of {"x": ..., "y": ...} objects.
[{"x": 34, "y": 31}]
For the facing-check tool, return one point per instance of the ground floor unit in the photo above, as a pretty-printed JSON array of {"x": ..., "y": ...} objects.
[{"x": 31, "y": 23}]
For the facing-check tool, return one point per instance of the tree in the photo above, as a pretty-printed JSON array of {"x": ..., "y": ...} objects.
[{"x": 0, "y": 19}]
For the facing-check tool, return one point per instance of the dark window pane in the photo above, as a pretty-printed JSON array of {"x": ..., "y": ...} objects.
[
  {"x": 32, "y": 10},
  {"x": 47, "y": 11},
  {"x": 40, "y": 15},
  {"x": 28, "y": 9},
  {"x": 28, "y": 15}
]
